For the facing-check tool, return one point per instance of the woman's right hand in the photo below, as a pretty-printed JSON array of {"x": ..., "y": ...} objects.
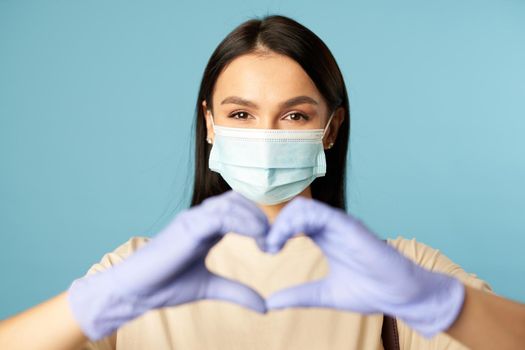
[{"x": 170, "y": 270}]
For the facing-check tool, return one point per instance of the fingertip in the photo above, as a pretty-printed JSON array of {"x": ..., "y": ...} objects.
[
  {"x": 262, "y": 309},
  {"x": 261, "y": 243},
  {"x": 225, "y": 289},
  {"x": 258, "y": 307},
  {"x": 275, "y": 239}
]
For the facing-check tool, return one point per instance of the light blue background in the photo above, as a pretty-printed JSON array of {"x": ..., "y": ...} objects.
[{"x": 97, "y": 99}]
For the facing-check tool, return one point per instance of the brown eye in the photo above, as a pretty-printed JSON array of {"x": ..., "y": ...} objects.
[
  {"x": 297, "y": 116},
  {"x": 238, "y": 115}
]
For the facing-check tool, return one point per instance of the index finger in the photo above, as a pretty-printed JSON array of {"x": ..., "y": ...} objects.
[{"x": 300, "y": 215}]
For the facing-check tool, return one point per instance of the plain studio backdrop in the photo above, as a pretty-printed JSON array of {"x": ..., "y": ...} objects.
[{"x": 97, "y": 100}]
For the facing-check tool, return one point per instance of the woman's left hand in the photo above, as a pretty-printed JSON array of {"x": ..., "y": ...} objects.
[{"x": 366, "y": 275}]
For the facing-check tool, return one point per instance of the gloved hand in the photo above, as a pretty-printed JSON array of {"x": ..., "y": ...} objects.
[
  {"x": 366, "y": 275},
  {"x": 169, "y": 270}
]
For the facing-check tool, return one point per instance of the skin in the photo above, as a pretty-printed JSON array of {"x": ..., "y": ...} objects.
[
  {"x": 486, "y": 321},
  {"x": 268, "y": 81},
  {"x": 49, "y": 325}
]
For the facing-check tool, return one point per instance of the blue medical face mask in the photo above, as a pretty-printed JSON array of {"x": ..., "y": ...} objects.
[{"x": 268, "y": 166}]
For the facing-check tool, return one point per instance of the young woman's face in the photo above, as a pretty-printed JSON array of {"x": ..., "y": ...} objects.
[{"x": 268, "y": 92}]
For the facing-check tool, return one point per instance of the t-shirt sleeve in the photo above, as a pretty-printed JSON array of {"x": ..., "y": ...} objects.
[
  {"x": 109, "y": 259},
  {"x": 434, "y": 260}
]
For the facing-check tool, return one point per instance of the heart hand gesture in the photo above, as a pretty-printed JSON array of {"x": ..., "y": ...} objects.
[{"x": 366, "y": 274}]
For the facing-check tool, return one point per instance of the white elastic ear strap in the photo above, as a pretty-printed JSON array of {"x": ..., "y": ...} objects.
[
  {"x": 327, "y": 124},
  {"x": 212, "y": 122}
]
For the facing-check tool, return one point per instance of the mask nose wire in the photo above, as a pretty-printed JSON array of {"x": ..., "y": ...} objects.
[{"x": 327, "y": 124}]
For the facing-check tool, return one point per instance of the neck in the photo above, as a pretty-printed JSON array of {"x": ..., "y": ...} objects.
[{"x": 272, "y": 211}]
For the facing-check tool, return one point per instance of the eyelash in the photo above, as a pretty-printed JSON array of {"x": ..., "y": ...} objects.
[{"x": 304, "y": 117}]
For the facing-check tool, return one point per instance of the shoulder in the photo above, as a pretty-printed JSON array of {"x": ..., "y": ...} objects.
[
  {"x": 119, "y": 253},
  {"x": 434, "y": 260}
]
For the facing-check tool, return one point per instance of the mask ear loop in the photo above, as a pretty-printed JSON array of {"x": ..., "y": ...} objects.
[
  {"x": 212, "y": 122},
  {"x": 213, "y": 126},
  {"x": 327, "y": 124}
]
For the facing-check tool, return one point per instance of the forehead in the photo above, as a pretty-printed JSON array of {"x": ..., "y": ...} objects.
[{"x": 267, "y": 79}]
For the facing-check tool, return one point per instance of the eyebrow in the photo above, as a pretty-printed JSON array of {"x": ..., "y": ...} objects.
[{"x": 286, "y": 104}]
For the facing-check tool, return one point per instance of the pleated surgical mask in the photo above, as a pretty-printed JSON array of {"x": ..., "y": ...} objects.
[{"x": 268, "y": 166}]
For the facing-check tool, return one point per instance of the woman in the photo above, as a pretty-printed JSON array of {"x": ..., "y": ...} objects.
[{"x": 273, "y": 125}]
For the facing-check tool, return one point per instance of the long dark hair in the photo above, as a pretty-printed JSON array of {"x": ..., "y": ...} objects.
[{"x": 285, "y": 36}]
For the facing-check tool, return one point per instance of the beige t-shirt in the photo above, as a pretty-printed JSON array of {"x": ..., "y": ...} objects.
[{"x": 221, "y": 325}]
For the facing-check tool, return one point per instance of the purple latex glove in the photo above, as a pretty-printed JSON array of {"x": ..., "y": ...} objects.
[
  {"x": 169, "y": 270},
  {"x": 366, "y": 275}
]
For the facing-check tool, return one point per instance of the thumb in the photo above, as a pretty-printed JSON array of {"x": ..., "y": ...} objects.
[
  {"x": 222, "y": 288},
  {"x": 311, "y": 294}
]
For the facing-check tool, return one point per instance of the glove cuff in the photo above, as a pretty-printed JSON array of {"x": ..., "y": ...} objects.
[
  {"x": 439, "y": 307},
  {"x": 97, "y": 307}
]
